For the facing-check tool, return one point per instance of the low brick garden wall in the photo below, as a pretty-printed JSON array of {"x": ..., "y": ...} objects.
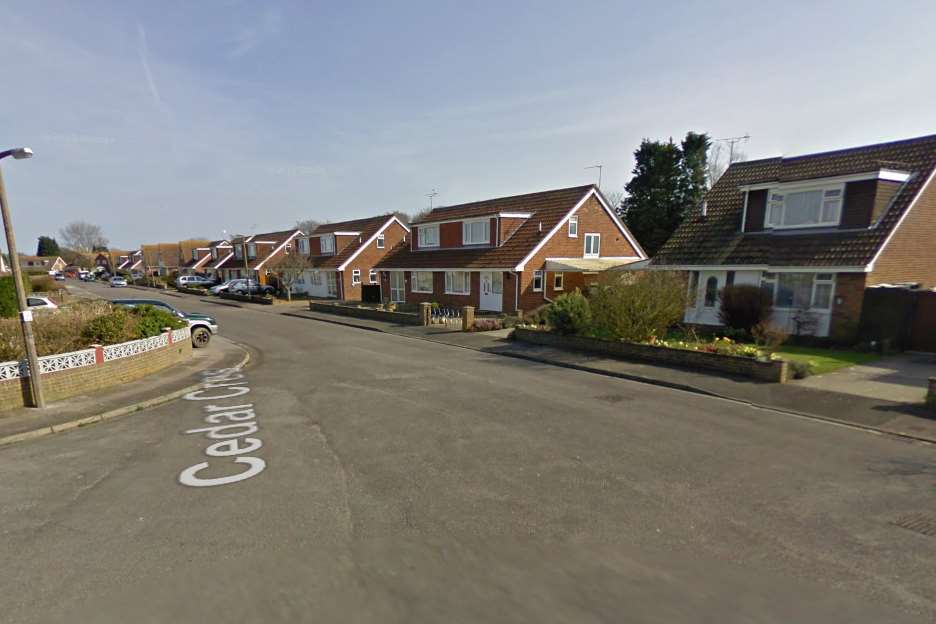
[
  {"x": 83, "y": 372},
  {"x": 192, "y": 291},
  {"x": 404, "y": 318},
  {"x": 247, "y": 298},
  {"x": 775, "y": 371}
]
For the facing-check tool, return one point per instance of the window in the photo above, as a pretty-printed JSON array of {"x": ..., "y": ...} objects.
[
  {"x": 711, "y": 292},
  {"x": 429, "y": 235},
  {"x": 573, "y": 227},
  {"x": 729, "y": 279},
  {"x": 694, "y": 288},
  {"x": 558, "y": 281},
  {"x": 537, "y": 281},
  {"x": 317, "y": 278},
  {"x": 251, "y": 250},
  {"x": 422, "y": 282},
  {"x": 380, "y": 241},
  {"x": 194, "y": 254},
  {"x": 806, "y": 208},
  {"x": 328, "y": 243},
  {"x": 457, "y": 282},
  {"x": 214, "y": 253},
  {"x": 238, "y": 251},
  {"x": 476, "y": 232},
  {"x": 355, "y": 277},
  {"x": 304, "y": 246},
  {"x": 592, "y": 245},
  {"x": 372, "y": 276},
  {"x": 799, "y": 290}
]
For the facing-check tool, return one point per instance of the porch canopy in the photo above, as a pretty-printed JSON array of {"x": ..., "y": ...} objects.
[{"x": 586, "y": 265}]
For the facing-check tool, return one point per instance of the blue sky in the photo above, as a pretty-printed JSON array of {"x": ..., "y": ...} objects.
[{"x": 173, "y": 119}]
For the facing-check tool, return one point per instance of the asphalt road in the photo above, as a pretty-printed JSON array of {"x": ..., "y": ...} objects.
[{"x": 408, "y": 481}]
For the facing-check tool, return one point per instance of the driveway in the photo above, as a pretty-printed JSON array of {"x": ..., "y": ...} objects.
[{"x": 900, "y": 378}]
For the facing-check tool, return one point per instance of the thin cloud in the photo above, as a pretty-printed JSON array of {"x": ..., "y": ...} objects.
[
  {"x": 249, "y": 38},
  {"x": 144, "y": 61}
]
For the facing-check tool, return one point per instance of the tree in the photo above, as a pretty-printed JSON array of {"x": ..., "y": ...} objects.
[
  {"x": 47, "y": 246},
  {"x": 82, "y": 236},
  {"x": 307, "y": 225},
  {"x": 669, "y": 180},
  {"x": 290, "y": 270}
]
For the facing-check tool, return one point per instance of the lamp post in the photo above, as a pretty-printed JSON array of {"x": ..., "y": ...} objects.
[{"x": 35, "y": 383}]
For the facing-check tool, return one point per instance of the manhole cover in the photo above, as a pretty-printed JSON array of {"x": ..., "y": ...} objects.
[{"x": 921, "y": 523}]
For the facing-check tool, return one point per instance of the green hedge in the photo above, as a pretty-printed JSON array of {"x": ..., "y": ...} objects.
[{"x": 9, "y": 307}]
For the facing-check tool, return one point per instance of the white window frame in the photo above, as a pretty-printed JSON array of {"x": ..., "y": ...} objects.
[
  {"x": 414, "y": 282},
  {"x": 538, "y": 276},
  {"x": 251, "y": 250},
  {"x": 380, "y": 241},
  {"x": 304, "y": 246},
  {"x": 422, "y": 235},
  {"x": 573, "y": 227},
  {"x": 330, "y": 247},
  {"x": 372, "y": 276},
  {"x": 239, "y": 252},
  {"x": 779, "y": 205},
  {"x": 595, "y": 253},
  {"x": 558, "y": 281},
  {"x": 467, "y": 227},
  {"x": 771, "y": 281},
  {"x": 355, "y": 277},
  {"x": 450, "y": 283}
]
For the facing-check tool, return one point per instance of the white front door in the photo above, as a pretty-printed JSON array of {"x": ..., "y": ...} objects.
[
  {"x": 492, "y": 291},
  {"x": 397, "y": 287},
  {"x": 704, "y": 309}
]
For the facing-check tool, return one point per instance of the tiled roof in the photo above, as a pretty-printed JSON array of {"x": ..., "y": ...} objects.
[
  {"x": 277, "y": 238},
  {"x": 547, "y": 208},
  {"x": 367, "y": 227},
  {"x": 716, "y": 239}
]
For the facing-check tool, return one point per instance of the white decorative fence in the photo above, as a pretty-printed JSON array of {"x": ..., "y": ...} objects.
[{"x": 88, "y": 357}]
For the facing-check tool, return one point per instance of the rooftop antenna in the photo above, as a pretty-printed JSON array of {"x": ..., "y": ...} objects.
[
  {"x": 732, "y": 141},
  {"x": 599, "y": 168},
  {"x": 430, "y": 196}
]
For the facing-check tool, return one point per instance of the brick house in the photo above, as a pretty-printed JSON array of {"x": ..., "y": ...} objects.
[
  {"x": 219, "y": 252},
  {"x": 342, "y": 256},
  {"x": 253, "y": 256},
  {"x": 508, "y": 254},
  {"x": 815, "y": 231},
  {"x": 48, "y": 264},
  {"x": 199, "y": 259}
]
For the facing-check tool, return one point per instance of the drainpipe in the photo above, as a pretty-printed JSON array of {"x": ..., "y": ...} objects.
[{"x": 516, "y": 291}]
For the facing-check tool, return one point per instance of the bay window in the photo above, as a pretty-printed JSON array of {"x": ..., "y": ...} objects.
[
  {"x": 799, "y": 290},
  {"x": 805, "y": 208},
  {"x": 429, "y": 235},
  {"x": 421, "y": 282},
  {"x": 476, "y": 232},
  {"x": 457, "y": 282}
]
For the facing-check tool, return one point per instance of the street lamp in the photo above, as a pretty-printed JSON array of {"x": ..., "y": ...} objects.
[{"x": 35, "y": 384}]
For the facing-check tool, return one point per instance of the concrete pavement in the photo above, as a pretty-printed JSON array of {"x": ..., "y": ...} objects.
[{"x": 410, "y": 481}]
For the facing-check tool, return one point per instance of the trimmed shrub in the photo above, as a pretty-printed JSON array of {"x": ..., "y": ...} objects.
[
  {"x": 116, "y": 326},
  {"x": 44, "y": 283},
  {"x": 744, "y": 306},
  {"x": 9, "y": 308},
  {"x": 569, "y": 313},
  {"x": 637, "y": 306},
  {"x": 150, "y": 321}
]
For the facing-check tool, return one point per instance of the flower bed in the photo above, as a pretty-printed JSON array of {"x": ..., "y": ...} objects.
[{"x": 776, "y": 371}]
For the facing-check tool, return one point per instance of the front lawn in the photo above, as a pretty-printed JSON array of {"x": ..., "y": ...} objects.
[{"x": 823, "y": 361}]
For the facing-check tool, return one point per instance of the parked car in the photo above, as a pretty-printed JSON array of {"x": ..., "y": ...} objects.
[
  {"x": 193, "y": 281},
  {"x": 224, "y": 286},
  {"x": 40, "y": 303},
  {"x": 203, "y": 326},
  {"x": 118, "y": 282},
  {"x": 59, "y": 276},
  {"x": 252, "y": 287}
]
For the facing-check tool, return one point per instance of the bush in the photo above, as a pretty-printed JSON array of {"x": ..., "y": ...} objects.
[
  {"x": 769, "y": 336},
  {"x": 9, "y": 307},
  {"x": 44, "y": 283},
  {"x": 637, "y": 306},
  {"x": 151, "y": 320},
  {"x": 116, "y": 326},
  {"x": 744, "y": 306},
  {"x": 569, "y": 313}
]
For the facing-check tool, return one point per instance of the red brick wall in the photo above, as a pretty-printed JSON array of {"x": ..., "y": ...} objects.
[
  {"x": 365, "y": 261},
  {"x": 910, "y": 256},
  {"x": 592, "y": 218},
  {"x": 450, "y": 234},
  {"x": 507, "y": 228},
  {"x": 846, "y": 306}
]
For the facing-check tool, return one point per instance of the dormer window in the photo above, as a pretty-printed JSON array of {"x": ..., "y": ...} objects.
[
  {"x": 328, "y": 244},
  {"x": 429, "y": 235},
  {"x": 304, "y": 246},
  {"x": 805, "y": 208},
  {"x": 251, "y": 250},
  {"x": 476, "y": 232}
]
